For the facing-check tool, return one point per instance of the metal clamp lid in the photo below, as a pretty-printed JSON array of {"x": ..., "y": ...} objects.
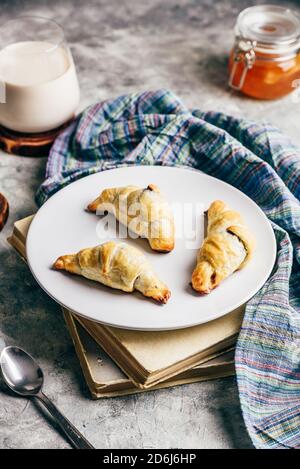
[{"x": 243, "y": 53}]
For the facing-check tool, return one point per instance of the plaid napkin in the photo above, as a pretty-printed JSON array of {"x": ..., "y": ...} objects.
[{"x": 155, "y": 128}]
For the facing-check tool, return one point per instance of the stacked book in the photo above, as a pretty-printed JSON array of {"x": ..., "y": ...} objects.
[{"x": 118, "y": 362}]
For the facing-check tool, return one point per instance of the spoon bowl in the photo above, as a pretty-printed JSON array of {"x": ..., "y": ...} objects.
[
  {"x": 21, "y": 372},
  {"x": 23, "y": 375}
]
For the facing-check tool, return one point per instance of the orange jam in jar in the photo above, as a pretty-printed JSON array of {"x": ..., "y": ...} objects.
[{"x": 265, "y": 60}]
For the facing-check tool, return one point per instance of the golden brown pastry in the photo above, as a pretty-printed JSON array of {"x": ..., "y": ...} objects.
[
  {"x": 143, "y": 211},
  {"x": 116, "y": 265},
  {"x": 228, "y": 247}
]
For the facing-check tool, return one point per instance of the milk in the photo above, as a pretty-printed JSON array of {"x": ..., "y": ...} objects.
[{"x": 41, "y": 87}]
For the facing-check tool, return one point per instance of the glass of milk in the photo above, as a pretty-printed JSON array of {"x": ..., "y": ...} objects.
[{"x": 39, "y": 87}]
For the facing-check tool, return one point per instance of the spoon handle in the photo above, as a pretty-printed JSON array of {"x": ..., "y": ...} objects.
[{"x": 75, "y": 437}]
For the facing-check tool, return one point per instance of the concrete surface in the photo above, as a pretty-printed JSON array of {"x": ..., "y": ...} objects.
[{"x": 122, "y": 46}]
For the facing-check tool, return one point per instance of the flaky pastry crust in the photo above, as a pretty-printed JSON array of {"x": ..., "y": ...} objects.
[
  {"x": 227, "y": 247},
  {"x": 116, "y": 265}
]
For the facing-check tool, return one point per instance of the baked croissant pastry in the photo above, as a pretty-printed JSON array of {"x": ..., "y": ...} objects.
[
  {"x": 228, "y": 247},
  {"x": 143, "y": 211},
  {"x": 116, "y": 265}
]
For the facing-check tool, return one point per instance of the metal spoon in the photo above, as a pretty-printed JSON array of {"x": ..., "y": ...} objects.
[{"x": 24, "y": 376}]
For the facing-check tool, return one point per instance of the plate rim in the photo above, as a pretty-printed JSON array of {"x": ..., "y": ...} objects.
[{"x": 154, "y": 328}]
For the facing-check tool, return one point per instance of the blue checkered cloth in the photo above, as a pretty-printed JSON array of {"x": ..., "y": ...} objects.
[{"x": 155, "y": 128}]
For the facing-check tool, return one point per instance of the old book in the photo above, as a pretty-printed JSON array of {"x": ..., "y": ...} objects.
[
  {"x": 150, "y": 358},
  {"x": 105, "y": 379}
]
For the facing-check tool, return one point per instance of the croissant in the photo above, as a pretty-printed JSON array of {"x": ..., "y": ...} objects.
[
  {"x": 228, "y": 247},
  {"x": 116, "y": 265},
  {"x": 144, "y": 211}
]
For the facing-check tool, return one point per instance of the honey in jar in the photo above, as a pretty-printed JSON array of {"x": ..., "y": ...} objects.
[{"x": 265, "y": 60}]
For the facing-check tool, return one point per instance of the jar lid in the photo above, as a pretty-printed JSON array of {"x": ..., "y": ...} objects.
[{"x": 270, "y": 26}]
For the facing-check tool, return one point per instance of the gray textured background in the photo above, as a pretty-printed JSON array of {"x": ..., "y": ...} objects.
[{"x": 119, "y": 47}]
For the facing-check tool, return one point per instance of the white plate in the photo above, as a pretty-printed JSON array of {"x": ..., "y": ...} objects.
[{"x": 62, "y": 226}]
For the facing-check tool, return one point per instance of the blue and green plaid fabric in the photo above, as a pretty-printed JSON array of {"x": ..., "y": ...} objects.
[{"x": 155, "y": 128}]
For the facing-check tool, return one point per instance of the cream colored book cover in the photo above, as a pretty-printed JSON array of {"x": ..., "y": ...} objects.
[
  {"x": 105, "y": 379},
  {"x": 149, "y": 358}
]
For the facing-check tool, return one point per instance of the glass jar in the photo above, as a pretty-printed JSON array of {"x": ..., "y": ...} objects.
[{"x": 265, "y": 60}]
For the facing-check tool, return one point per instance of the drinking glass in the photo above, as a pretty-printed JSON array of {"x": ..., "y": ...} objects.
[{"x": 39, "y": 88}]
